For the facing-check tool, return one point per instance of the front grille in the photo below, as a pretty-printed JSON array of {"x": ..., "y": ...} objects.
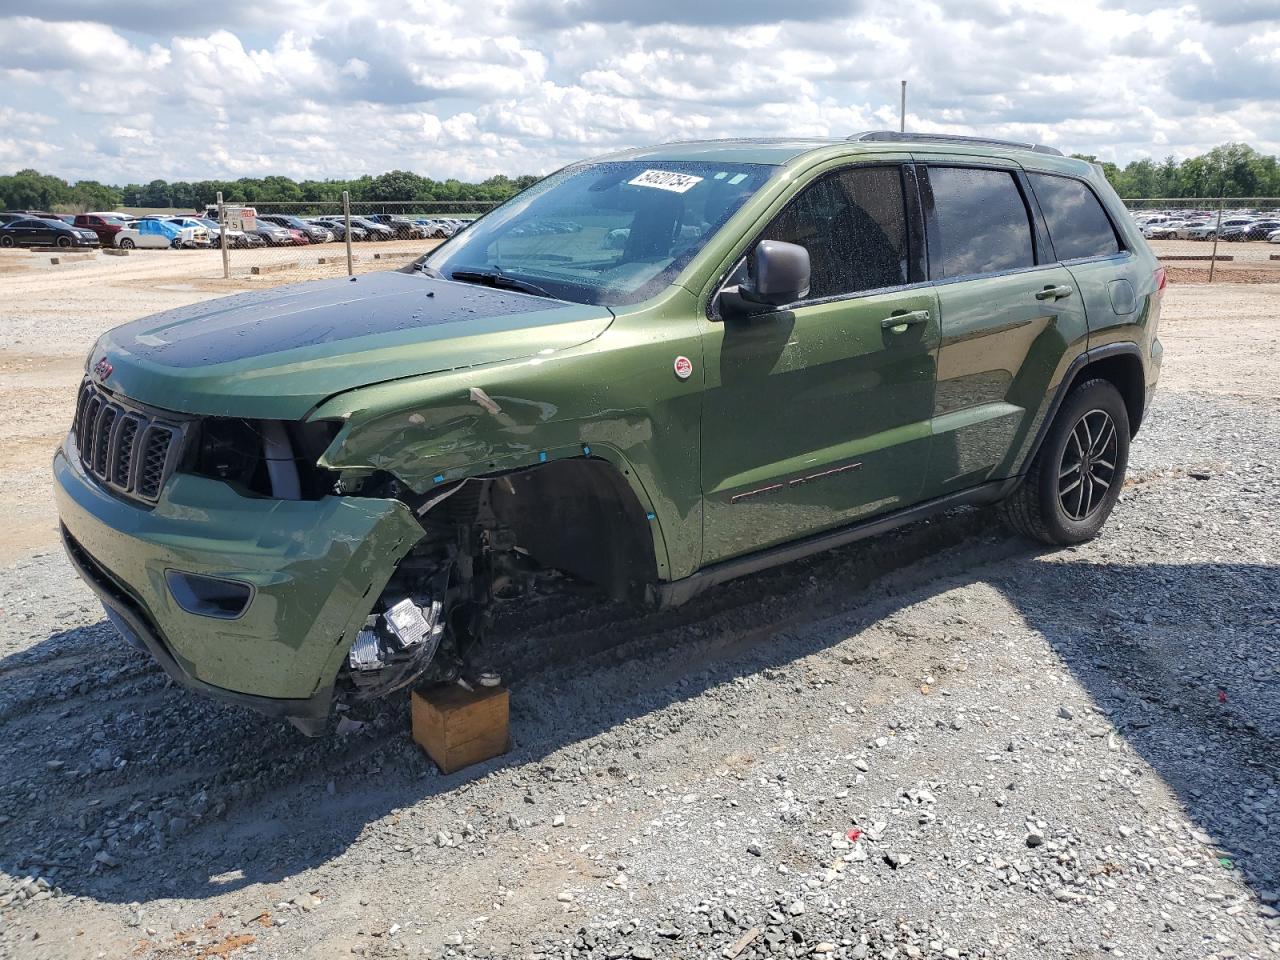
[{"x": 129, "y": 450}]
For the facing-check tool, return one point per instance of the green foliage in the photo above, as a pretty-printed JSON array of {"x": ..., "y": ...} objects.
[
  {"x": 401, "y": 185},
  {"x": 1230, "y": 170},
  {"x": 31, "y": 190}
]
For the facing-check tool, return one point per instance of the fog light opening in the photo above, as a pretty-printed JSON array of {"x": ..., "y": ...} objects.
[{"x": 209, "y": 596}]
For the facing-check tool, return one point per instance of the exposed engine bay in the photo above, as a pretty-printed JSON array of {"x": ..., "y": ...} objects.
[{"x": 489, "y": 541}]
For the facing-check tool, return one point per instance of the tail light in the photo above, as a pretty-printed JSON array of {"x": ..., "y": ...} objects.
[{"x": 1161, "y": 279}]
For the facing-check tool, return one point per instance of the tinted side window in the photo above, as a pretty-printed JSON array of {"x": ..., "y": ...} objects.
[
  {"x": 983, "y": 225},
  {"x": 854, "y": 225},
  {"x": 1078, "y": 226}
]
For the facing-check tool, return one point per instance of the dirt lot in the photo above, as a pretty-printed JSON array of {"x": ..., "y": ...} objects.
[{"x": 1047, "y": 754}]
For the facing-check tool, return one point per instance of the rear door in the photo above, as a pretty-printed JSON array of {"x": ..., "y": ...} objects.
[
  {"x": 1086, "y": 241},
  {"x": 1009, "y": 314},
  {"x": 24, "y": 232}
]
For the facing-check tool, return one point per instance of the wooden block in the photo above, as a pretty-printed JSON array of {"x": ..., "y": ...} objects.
[
  {"x": 274, "y": 267},
  {"x": 459, "y": 727}
]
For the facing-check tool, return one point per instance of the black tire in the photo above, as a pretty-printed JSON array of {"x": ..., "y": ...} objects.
[
  {"x": 127, "y": 243},
  {"x": 1047, "y": 505},
  {"x": 6, "y": 241},
  {"x": 64, "y": 242}
]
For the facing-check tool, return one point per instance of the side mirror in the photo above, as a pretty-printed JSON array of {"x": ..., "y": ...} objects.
[{"x": 778, "y": 273}]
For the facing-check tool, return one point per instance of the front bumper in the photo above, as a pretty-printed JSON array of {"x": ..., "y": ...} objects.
[{"x": 316, "y": 568}]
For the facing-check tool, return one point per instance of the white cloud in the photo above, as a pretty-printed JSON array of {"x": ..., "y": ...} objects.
[{"x": 186, "y": 90}]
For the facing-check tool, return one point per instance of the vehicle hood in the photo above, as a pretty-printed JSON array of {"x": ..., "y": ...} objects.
[{"x": 276, "y": 354}]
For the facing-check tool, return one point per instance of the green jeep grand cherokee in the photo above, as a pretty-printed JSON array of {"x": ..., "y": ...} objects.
[{"x": 655, "y": 372}]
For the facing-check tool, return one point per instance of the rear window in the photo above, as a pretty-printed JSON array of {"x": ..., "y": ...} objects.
[
  {"x": 983, "y": 225},
  {"x": 1078, "y": 226}
]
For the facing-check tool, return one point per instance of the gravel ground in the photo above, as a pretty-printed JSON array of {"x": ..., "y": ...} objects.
[{"x": 939, "y": 743}]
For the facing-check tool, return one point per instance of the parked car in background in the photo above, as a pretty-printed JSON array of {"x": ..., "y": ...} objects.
[
  {"x": 437, "y": 229},
  {"x": 1183, "y": 230},
  {"x": 375, "y": 231},
  {"x": 204, "y": 236},
  {"x": 237, "y": 239},
  {"x": 361, "y": 228},
  {"x": 1202, "y": 231},
  {"x": 1162, "y": 231},
  {"x": 1274, "y": 237},
  {"x": 158, "y": 234},
  {"x": 272, "y": 233},
  {"x": 402, "y": 227},
  {"x": 38, "y": 232},
  {"x": 1211, "y": 228},
  {"x": 9, "y": 216},
  {"x": 1257, "y": 230},
  {"x": 312, "y": 232},
  {"x": 122, "y": 217},
  {"x": 104, "y": 225},
  {"x": 338, "y": 228}
]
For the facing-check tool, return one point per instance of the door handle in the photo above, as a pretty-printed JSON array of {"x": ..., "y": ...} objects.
[
  {"x": 1055, "y": 293},
  {"x": 904, "y": 320}
]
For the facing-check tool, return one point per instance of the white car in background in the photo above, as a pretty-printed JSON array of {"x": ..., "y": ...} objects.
[
  {"x": 1162, "y": 231},
  {"x": 160, "y": 234},
  {"x": 1273, "y": 236}
]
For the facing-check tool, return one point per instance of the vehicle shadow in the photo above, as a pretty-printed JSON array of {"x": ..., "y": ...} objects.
[{"x": 1177, "y": 658}]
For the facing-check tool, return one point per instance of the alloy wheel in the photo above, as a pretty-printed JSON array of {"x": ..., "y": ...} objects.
[{"x": 1088, "y": 466}]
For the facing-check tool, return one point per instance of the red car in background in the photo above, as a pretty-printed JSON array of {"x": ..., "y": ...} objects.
[{"x": 106, "y": 227}]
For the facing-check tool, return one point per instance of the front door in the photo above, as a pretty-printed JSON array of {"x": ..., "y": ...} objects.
[{"x": 817, "y": 414}]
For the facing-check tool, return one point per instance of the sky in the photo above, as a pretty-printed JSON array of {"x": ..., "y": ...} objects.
[{"x": 132, "y": 90}]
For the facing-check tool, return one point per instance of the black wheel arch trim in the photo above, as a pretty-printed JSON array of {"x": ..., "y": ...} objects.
[{"x": 1122, "y": 348}]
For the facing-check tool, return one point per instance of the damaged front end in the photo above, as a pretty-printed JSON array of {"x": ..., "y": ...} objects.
[
  {"x": 564, "y": 526},
  {"x": 430, "y": 622},
  {"x": 261, "y": 568}
]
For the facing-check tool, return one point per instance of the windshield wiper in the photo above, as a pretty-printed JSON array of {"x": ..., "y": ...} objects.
[{"x": 496, "y": 278}]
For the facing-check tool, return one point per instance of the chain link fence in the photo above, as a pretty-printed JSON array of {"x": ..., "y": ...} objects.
[
  {"x": 310, "y": 239},
  {"x": 1222, "y": 240}
]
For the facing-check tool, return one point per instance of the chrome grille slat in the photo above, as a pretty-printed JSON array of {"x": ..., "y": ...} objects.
[{"x": 128, "y": 450}]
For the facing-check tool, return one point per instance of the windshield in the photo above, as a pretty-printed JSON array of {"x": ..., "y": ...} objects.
[{"x": 603, "y": 233}]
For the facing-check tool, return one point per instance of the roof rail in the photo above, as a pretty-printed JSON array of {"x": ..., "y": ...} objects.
[{"x": 883, "y": 136}]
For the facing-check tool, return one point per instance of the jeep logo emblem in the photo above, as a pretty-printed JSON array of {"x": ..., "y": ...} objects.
[{"x": 102, "y": 369}]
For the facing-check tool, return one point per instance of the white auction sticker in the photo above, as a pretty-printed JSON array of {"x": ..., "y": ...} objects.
[{"x": 666, "y": 180}]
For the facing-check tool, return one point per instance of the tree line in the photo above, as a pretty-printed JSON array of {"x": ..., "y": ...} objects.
[
  {"x": 1229, "y": 170},
  {"x": 32, "y": 190},
  {"x": 1232, "y": 170}
]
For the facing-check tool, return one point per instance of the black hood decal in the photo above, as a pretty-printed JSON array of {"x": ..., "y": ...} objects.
[{"x": 328, "y": 311}]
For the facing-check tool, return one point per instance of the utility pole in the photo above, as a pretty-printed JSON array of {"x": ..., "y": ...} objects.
[{"x": 902, "y": 113}]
